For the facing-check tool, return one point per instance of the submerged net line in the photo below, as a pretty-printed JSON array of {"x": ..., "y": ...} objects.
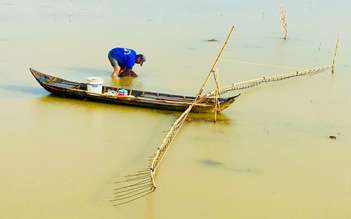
[
  {"x": 261, "y": 64},
  {"x": 255, "y": 82}
]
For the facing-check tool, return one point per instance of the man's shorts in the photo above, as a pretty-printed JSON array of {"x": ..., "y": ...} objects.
[{"x": 112, "y": 60}]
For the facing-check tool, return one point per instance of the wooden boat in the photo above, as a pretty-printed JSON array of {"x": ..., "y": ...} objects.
[{"x": 76, "y": 90}]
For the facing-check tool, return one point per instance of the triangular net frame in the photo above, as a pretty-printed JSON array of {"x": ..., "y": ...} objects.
[
  {"x": 138, "y": 185},
  {"x": 143, "y": 183},
  {"x": 255, "y": 82}
]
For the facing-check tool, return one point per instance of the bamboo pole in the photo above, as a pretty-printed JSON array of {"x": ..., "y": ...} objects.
[
  {"x": 336, "y": 50},
  {"x": 216, "y": 94},
  {"x": 257, "y": 81},
  {"x": 215, "y": 63},
  {"x": 215, "y": 107},
  {"x": 161, "y": 151},
  {"x": 283, "y": 24},
  {"x": 180, "y": 121}
]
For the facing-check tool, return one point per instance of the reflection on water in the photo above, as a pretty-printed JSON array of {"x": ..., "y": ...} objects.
[
  {"x": 221, "y": 118},
  {"x": 211, "y": 163},
  {"x": 218, "y": 164},
  {"x": 125, "y": 81},
  {"x": 23, "y": 89}
]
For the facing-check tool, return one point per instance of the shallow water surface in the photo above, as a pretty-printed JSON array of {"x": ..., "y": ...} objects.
[{"x": 269, "y": 155}]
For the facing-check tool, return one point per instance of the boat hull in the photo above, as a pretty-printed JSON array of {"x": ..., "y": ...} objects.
[{"x": 75, "y": 90}]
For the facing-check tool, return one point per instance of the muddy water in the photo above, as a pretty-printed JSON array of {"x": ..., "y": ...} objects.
[{"x": 268, "y": 156}]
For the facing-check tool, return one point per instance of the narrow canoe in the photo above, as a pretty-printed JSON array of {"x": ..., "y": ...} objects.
[{"x": 64, "y": 88}]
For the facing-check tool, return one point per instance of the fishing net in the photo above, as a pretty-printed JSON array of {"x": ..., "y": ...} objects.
[
  {"x": 168, "y": 139},
  {"x": 252, "y": 83},
  {"x": 138, "y": 185},
  {"x": 133, "y": 187},
  {"x": 128, "y": 73},
  {"x": 142, "y": 183}
]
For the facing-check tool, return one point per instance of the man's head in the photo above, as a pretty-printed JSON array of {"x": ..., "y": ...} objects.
[{"x": 140, "y": 59}]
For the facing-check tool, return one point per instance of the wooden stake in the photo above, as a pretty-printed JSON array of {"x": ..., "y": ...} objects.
[
  {"x": 283, "y": 24},
  {"x": 336, "y": 50},
  {"x": 215, "y": 107},
  {"x": 216, "y": 94}
]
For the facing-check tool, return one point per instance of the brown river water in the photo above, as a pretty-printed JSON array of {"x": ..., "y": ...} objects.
[{"x": 269, "y": 155}]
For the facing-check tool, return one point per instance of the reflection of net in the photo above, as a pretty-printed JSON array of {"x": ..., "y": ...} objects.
[
  {"x": 251, "y": 83},
  {"x": 143, "y": 183}
]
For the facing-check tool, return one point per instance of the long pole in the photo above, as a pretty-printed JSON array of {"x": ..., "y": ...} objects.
[
  {"x": 180, "y": 121},
  {"x": 336, "y": 50},
  {"x": 215, "y": 63},
  {"x": 216, "y": 94}
]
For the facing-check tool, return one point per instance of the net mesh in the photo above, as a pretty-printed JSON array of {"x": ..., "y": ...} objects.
[
  {"x": 133, "y": 187},
  {"x": 143, "y": 183},
  {"x": 252, "y": 83},
  {"x": 138, "y": 185}
]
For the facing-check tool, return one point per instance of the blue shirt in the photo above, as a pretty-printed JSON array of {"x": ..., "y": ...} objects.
[{"x": 126, "y": 58}]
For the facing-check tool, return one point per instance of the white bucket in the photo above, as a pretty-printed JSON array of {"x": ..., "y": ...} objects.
[{"x": 95, "y": 84}]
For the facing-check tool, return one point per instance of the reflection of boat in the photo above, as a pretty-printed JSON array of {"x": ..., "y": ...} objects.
[{"x": 64, "y": 88}]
